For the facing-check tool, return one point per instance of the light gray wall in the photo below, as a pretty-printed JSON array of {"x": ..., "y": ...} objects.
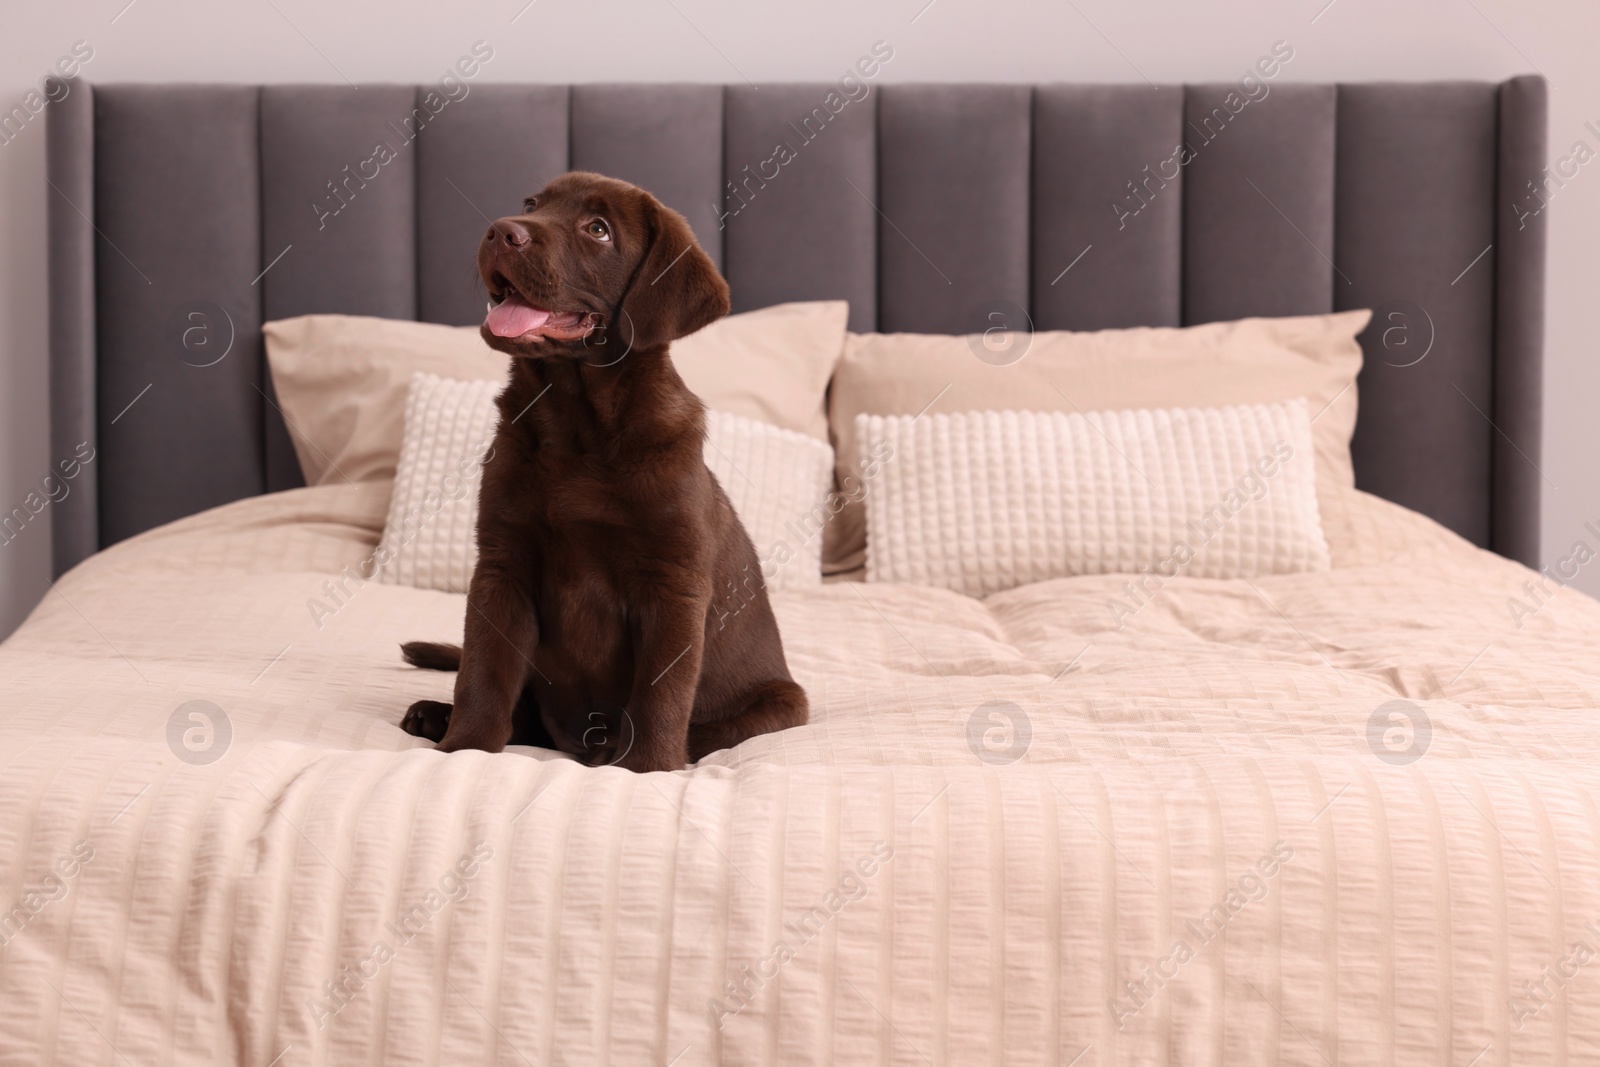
[{"x": 723, "y": 41}]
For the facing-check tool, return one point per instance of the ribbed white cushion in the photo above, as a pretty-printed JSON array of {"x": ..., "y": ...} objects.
[
  {"x": 776, "y": 479},
  {"x": 778, "y": 482},
  {"x": 429, "y": 540},
  {"x": 988, "y": 500}
]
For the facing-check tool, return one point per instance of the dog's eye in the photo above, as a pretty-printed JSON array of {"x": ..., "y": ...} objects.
[
  {"x": 597, "y": 229},
  {"x": 529, "y": 204}
]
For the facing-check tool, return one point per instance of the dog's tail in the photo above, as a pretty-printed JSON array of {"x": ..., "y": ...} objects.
[{"x": 432, "y": 656}]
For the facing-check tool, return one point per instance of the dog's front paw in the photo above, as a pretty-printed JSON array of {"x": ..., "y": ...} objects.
[{"x": 427, "y": 718}]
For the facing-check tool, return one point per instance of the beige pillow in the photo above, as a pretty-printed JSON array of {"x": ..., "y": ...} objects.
[
  {"x": 1251, "y": 361},
  {"x": 342, "y": 379},
  {"x": 772, "y": 365}
]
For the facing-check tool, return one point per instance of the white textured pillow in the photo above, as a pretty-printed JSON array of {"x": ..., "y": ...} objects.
[
  {"x": 776, "y": 479},
  {"x": 778, "y": 482},
  {"x": 430, "y": 537},
  {"x": 988, "y": 500}
]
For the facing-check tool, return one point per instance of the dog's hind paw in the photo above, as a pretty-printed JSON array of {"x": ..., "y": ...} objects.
[{"x": 427, "y": 718}]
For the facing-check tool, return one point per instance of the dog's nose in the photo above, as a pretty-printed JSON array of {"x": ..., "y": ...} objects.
[{"x": 508, "y": 232}]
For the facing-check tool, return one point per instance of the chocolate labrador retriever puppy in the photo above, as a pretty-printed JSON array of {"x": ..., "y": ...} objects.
[{"x": 604, "y": 543}]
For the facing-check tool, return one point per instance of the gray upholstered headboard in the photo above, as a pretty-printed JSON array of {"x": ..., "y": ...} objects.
[{"x": 198, "y": 212}]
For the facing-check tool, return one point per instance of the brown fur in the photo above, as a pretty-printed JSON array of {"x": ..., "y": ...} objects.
[{"x": 594, "y": 619}]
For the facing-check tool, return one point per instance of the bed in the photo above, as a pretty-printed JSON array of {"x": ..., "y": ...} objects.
[{"x": 1201, "y": 840}]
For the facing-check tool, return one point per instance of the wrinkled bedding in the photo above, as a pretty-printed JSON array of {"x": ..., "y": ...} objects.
[{"x": 1345, "y": 817}]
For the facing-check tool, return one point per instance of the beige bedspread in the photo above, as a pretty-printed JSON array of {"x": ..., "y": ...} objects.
[{"x": 1345, "y": 818}]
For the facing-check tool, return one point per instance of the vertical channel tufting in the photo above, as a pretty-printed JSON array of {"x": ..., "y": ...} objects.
[
  {"x": 951, "y": 169},
  {"x": 1416, "y": 190},
  {"x": 491, "y": 149},
  {"x": 666, "y": 138},
  {"x": 1107, "y": 206},
  {"x": 70, "y": 132},
  {"x": 1258, "y": 202},
  {"x": 953, "y": 201},
  {"x": 338, "y": 223},
  {"x": 338, "y": 186},
  {"x": 1519, "y": 318},
  {"x": 175, "y": 199},
  {"x": 796, "y": 225}
]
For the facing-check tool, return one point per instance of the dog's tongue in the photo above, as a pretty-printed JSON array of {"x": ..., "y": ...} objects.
[{"x": 514, "y": 317}]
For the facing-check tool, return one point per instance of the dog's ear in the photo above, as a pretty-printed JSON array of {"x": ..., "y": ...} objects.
[{"x": 676, "y": 289}]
